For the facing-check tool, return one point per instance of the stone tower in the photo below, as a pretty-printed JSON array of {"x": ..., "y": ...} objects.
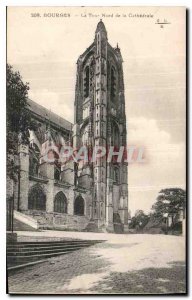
[{"x": 100, "y": 120}]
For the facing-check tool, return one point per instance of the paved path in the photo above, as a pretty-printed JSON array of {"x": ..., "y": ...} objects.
[{"x": 121, "y": 264}]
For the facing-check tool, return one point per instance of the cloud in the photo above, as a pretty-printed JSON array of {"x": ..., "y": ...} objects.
[
  {"x": 53, "y": 101},
  {"x": 164, "y": 166},
  {"x": 146, "y": 131}
]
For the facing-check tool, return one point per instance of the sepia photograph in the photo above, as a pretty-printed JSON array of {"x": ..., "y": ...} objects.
[{"x": 96, "y": 150}]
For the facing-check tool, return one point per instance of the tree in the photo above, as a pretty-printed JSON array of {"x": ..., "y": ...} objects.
[
  {"x": 18, "y": 120},
  {"x": 139, "y": 220},
  {"x": 170, "y": 202}
]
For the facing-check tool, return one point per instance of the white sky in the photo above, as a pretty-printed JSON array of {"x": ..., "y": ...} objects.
[{"x": 45, "y": 51}]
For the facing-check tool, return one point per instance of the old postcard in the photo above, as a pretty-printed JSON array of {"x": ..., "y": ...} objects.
[{"x": 96, "y": 150}]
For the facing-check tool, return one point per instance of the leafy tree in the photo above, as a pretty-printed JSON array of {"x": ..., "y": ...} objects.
[
  {"x": 18, "y": 120},
  {"x": 169, "y": 203},
  {"x": 139, "y": 220}
]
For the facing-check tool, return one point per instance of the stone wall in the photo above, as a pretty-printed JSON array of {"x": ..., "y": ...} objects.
[{"x": 59, "y": 221}]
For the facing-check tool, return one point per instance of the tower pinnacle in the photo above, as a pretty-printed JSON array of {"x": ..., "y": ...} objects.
[{"x": 101, "y": 27}]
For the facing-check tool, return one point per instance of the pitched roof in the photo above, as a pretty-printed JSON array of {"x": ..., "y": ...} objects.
[
  {"x": 101, "y": 27},
  {"x": 45, "y": 113}
]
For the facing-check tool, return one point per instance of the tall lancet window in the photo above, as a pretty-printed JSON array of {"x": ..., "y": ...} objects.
[
  {"x": 115, "y": 135},
  {"x": 116, "y": 175},
  {"x": 34, "y": 156},
  {"x": 113, "y": 84},
  {"x": 98, "y": 44},
  {"x": 86, "y": 82}
]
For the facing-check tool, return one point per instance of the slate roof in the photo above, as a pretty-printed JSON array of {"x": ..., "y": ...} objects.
[{"x": 45, "y": 113}]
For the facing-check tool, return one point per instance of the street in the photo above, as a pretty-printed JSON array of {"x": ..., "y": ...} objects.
[{"x": 134, "y": 263}]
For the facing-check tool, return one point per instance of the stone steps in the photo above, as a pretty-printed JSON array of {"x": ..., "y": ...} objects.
[
  {"x": 23, "y": 253},
  {"x": 53, "y": 243},
  {"x": 17, "y": 260},
  {"x": 41, "y": 251},
  {"x": 19, "y": 249}
]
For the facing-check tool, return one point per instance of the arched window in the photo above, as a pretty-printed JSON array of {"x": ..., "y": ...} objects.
[
  {"x": 60, "y": 203},
  {"x": 36, "y": 198},
  {"x": 115, "y": 135},
  {"x": 116, "y": 175},
  {"x": 79, "y": 206},
  {"x": 101, "y": 210},
  {"x": 56, "y": 173},
  {"x": 34, "y": 155},
  {"x": 113, "y": 84},
  {"x": 86, "y": 82},
  {"x": 84, "y": 136}
]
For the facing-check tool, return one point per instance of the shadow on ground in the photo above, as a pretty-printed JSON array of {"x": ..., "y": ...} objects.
[
  {"x": 63, "y": 275},
  {"x": 52, "y": 275},
  {"x": 145, "y": 281}
]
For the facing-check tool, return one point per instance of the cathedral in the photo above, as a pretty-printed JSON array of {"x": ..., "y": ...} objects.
[{"x": 92, "y": 196}]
